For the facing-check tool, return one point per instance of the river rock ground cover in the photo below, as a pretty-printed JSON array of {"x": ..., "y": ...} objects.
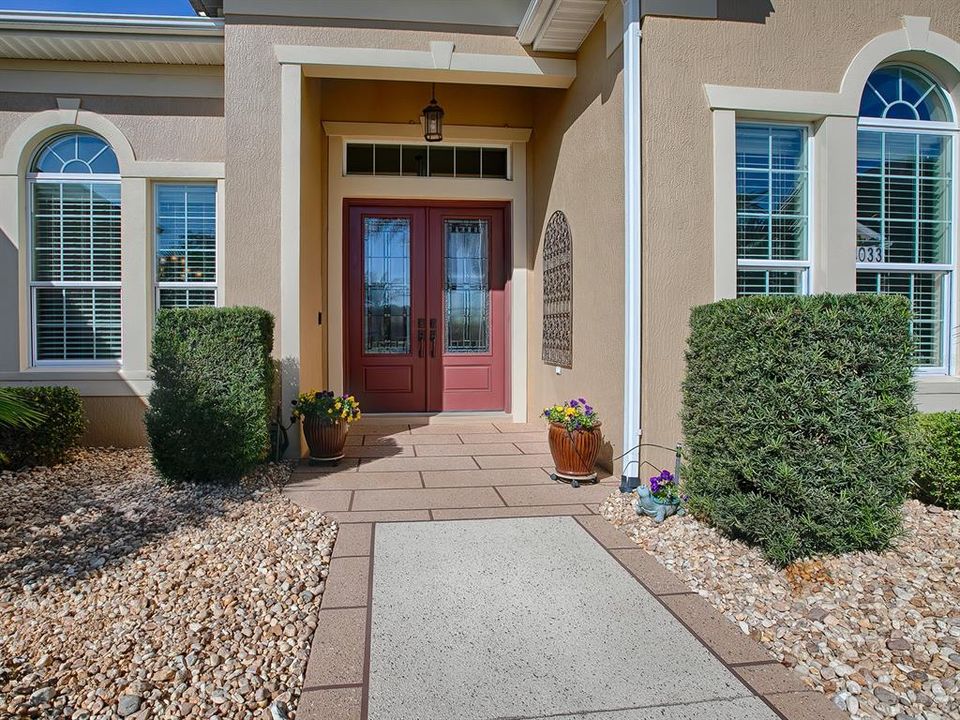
[
  {"x": 124, "y": 596},
  {"x": 877, "y": 632}
]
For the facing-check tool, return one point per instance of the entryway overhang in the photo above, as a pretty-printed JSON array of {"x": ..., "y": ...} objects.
[{"x": 441, "y": 63}]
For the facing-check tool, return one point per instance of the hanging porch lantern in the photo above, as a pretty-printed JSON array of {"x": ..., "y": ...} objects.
[{"x": 432, "y": 118}]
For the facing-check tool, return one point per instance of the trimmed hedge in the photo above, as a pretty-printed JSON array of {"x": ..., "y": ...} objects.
[
  {"x": 51, "y": 440},
  {"x": 936, "y": 479},
  {"x": 209, "y": 414},
  {"x": 795, "y": 417}
]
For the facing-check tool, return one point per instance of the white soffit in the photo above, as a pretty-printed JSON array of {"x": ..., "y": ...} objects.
[
  {"x": 559, "y": 25},
  {"x": 111, "y": 38}
]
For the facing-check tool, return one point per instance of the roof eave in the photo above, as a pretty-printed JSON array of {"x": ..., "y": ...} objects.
[{"x": 20, "y": 20}]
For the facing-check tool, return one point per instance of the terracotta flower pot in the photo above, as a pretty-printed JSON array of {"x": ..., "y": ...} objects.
[
  {"x": 325, "y": 438},
  {"x": 574, "y": 451}
]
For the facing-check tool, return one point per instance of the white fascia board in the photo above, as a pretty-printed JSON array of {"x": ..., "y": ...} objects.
[
  {"x": 101, "y": 22},
  {"x": 421, "y": 65},
  {"x": 533, "y": 20}
]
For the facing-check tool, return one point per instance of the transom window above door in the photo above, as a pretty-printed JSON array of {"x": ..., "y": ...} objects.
[
  {"x": 422, "y": 160},
  {"x": 906, "y": 221}
]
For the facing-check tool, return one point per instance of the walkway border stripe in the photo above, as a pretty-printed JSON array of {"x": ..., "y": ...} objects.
[{"x": 365, "y": 694}]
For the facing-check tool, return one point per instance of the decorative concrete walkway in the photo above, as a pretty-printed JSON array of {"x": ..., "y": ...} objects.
[{"x": 545, "y": 612}]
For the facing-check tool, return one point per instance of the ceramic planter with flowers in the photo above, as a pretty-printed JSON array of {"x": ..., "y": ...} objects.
[
  {"x": 326, "y": 418},
  {"x": 574, "y": 436},
  {"x": 662, "y": 499}
]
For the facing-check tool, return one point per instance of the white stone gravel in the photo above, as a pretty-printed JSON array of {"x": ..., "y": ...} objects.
[
  {"x": 877, "y": 632},
  {"x": 124, "y": 596}
]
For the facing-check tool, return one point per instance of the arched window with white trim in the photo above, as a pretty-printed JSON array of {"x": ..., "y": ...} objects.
[
  {"x": 906, "y": 219},
  {"x": 74, "y": 212}
]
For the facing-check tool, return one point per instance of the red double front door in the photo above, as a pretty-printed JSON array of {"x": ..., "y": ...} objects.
[{"x": 425, "y": 291}]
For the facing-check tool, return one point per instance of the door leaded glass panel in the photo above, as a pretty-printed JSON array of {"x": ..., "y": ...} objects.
[
  {"x": 386, "y": 285},
  {"x": 466, "y": 296}
]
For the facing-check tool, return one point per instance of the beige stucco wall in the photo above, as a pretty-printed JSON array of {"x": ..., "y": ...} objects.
[
  {"x": 801, "y": 45},
  {"x": 578, "y": 168},
  {"x": 114, "y": 421},
  {"x": 158, "y": 128}
]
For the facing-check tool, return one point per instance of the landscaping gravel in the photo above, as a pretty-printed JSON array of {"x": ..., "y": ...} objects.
[
  {"x": 124, "y": 596},
  {"x": 877, "y": 632}
]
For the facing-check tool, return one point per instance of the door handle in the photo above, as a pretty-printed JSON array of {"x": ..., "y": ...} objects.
[
  {"x": 433, "y": 337},
  {"x": 420, "y": 325}
]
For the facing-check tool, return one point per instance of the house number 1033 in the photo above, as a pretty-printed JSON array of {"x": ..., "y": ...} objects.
[{"x": 869, "y": 254}]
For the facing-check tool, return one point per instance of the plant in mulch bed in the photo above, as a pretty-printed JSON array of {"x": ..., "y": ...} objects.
[
  {"x": 209, "y": 416},
  {"x": 936, "y": 444},
  {"x": 39, "y": 425},
  {"x": 795, "y": 415}
]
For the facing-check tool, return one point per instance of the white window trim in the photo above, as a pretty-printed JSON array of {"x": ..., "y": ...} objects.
[
  {"x": 806, "y": 266},
  {"x": 216, "y": 285},
  {"x": 922, "y": 127},
  {"x": 32, "y": 180}
]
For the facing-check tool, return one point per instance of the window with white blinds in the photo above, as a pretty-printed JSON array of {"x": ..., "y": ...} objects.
[
  {"x": 186, "y": 245},
  {"x": 773, "y": 256},
  {"x": 905, "y": 214},
  {"x": 75, "y": 251}
]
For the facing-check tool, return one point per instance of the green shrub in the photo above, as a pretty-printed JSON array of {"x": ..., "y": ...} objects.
[
  {"x": 936, "y": 479},
  {"x": 213, "y": 381},
  {"x": 48, "y": 441},
  {"x": 795, "y": 417}
]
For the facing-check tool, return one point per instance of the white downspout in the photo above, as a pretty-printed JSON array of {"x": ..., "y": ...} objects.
[{"x": 632, "y": 244}]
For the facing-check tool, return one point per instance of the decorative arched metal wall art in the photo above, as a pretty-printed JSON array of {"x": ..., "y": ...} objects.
[{"x": 558, "y": 292}]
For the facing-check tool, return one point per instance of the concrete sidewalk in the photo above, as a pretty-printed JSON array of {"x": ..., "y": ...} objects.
[
  {"x": 530, "y": 618},
  {"x": 523, "y": 618}
]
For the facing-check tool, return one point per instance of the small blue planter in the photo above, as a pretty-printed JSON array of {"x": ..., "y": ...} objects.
[{"x": 659, "y": 510}]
